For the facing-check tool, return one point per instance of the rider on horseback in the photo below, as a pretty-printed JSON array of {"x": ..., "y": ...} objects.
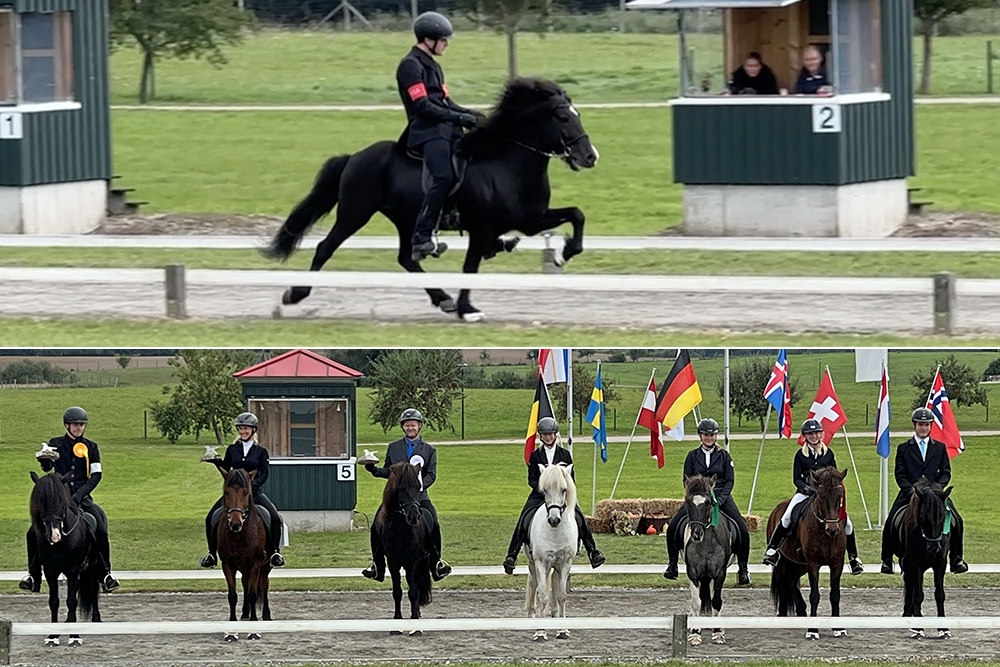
[
  {"x": 550, "y": 453},
  {"x": 80, "y": 458},
  {"x": 434, "y": 123},
  {"x": 922, "y": 456},
  {"x": 710, "y": 459},
  {"x": 250, "y": 455},
  {"x": 813, "y": 456},
  {"x": 415, "y": 450}
]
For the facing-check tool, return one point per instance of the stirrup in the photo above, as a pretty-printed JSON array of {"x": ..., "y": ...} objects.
[
  {"x": 30, "y": 584},
  {"x": 857, "y": 567},
  {"x": 509, "y": 564},
  {"x": 597, "y": 559},
  {"x": 959, "y": 566},
  {"x": 771, "y": 556},
  {"x": 208, "y": 561},
  {"x": 671, "y": 571},
  {"x": 277, "y": 560},
  {"x": 441, "y": 570},
  {"x": 109, "y": 583},
  {"x": 371, "y": 572}
]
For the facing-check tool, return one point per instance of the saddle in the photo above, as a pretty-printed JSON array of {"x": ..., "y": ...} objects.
[
  {"x": 264, "y": 514},
  {"x": 795, "y": 555},
  {"x": 459, "y": 162}
]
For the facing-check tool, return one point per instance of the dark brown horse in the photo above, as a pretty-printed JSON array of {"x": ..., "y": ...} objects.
[
  {"x": 818, "y": 540},
  {"x": 243, "y": 548}
]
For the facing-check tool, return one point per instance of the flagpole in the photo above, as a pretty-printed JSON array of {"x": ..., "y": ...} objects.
[
  {"x": 569, "y": 400},
  {"x": 930, "y": 392},
  {"x": 883, "y": 464},
  {"x": 753, "y": 488},
  {"x": 593, "y": 493},
  {"x": 634, "y": 426},
  {"x": 854, "y": 465},
  {"x": 725, "y": 363}
]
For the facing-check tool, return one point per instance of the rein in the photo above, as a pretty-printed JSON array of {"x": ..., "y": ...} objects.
[
  {"x": 944, "y": 530},
  {"x": 563, "y": 143},
  {"x": 715, "y": 515}
]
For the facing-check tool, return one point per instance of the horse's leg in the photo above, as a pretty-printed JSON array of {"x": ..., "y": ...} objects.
[
  {"x": 265, "y": 585},
  {"x": 250, "y": 591},
  {"x": 413, "y": 590},
  {"x": 836, "y": 572},
  {"x": 439, "y": 298},
  {"x": 231, "y": 583},
  {"x": 52, "y": 579},
  {"x": 246, "y": 596},
  {"x": 72, "y": 595},
  {"x": 473, "y": 257},
  {"x": 694, "y": 634},
  {"x": 718, "y": 634},
  {"x": 813, "y": 633},
  {"x": 913, "y": 583},
  {"x": 397, "y": 591},
  {"x": 939, "y": 595},
  {"x": 554, "y": 217}
]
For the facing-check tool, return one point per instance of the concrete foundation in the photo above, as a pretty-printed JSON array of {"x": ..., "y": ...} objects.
[
  {"x": 54, "y": 208},
  {"x": 866, "y": 210},
  {"x": 317, "y": 521}
]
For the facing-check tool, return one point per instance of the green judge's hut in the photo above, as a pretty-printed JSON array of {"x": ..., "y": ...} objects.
[
  {"x": 833, "y": 164},
  {"x": 307, "y": 406}
]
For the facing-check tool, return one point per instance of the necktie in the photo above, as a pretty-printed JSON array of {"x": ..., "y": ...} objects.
[
  {"x": 409, "y": 449},
  {"x": 923, "y": 449}
]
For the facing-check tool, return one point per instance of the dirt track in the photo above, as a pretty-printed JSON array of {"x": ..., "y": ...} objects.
[{"x": 490, "y": 646}]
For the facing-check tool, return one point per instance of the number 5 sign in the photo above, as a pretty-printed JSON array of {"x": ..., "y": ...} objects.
[
  {"x": 10, "y": 126},
  {"x": 345, "y": 472},
  {"x": 826, "y": 118}
]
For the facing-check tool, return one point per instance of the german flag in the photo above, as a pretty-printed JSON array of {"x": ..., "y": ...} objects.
[
  {"x": 679, "y": 393},
  {"x": 542, "y": 407}
]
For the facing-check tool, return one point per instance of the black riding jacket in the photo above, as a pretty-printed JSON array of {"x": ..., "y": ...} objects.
[
  {"x": 721, "y": 465},
  {"x": 807, "y": 463},
  {"x": 256, "y": 459},
  {"x": 84, "y": 464},
  {"x": 430, "y": 112}
]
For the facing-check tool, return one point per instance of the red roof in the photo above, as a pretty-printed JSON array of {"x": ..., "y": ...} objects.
[{"x": 298, "y": 364}]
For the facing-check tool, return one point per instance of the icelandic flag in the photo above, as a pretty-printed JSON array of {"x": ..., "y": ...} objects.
[
  {"x": 777, "y": 394},
  {"x": 883, "y": 416}
]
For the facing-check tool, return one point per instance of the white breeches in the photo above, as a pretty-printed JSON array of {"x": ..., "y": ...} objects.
[{"x": 786, "y": 518}]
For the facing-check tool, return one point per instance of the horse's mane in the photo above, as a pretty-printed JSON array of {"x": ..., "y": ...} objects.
[
  {"x": 521, "y": 98},
  {"x": 402, "y": 475},
  {"x": 238, "y": 478},
  {"x": 50, "y": 491},
  {"x": 697, "y": 485},
  {"x": 552, "y": 479},
  {"x": 922, "y": 489}
]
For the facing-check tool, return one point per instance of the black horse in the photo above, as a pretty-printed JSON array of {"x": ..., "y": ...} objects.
[
  {"x": 403, "y": 526},
  {"x": 921, "y": 537},
  {"x": 65, "y": 549},
  {"x": 505, "y": 187}
]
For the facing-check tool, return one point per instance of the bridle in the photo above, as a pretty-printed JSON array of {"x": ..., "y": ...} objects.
[
  {"x": 826, "y": 522},
  {"x": 564, "y": 144}
]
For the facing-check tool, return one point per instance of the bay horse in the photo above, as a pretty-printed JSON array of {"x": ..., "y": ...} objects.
[
  {"x": 243, "y": 548},
  {"x": 505, "y": 187},
  {"x": 921, "y": 538},
  {"x": 404, "y": 527},
  {"x": 817, "y": 541},
  {"x": 708, "y": 552},
  {"x": 64, "y": 548},
  {"x": 553, "y": 542}
]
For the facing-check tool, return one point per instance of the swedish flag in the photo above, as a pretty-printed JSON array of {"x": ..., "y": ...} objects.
[{"x": 595, "y": 416}]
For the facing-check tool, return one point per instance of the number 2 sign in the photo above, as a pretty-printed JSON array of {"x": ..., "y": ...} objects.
[
  {"x": 826, "y": 118},
  {"x": 10, "y": 126}
]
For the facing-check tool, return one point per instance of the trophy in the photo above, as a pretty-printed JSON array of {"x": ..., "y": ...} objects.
[
  {"x": 211, "y": 455},
  {"x": 47, "y": 452},
  {"x": 368, "y": 457}
]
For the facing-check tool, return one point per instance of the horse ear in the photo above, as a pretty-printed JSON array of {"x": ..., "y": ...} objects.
[
  {"x": 812, "y": 478},
  {"x": 34, "y": 477},
  {"x": 252, "y": 474},
  {"x": 541, "y": 467},
  {"x": 221, "y": 471},
  {"x": 712, "y": 479},
  {"x": 569, "y": 470},
  {"x": 843, "y": 473}
]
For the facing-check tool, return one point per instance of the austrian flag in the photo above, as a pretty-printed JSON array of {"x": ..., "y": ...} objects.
[
  {"x": 827, "y": 410},
  {"x": 647, "y": 418}
]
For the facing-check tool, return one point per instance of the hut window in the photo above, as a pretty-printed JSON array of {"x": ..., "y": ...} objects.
[
  {"x": 46, "y": 50},
  {"x": 855, "y": 63},
  {"x": 8, "y": 70},
  {"x": 303, "y": 428}
]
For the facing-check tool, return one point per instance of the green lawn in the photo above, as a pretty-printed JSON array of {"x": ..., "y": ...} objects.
[{"x": 293, "y": 67}]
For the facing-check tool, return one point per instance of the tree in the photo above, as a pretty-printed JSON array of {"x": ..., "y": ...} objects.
[
  {"x": 583, "y": 388},
  {"x": 484, "y": 357},
  {"x": 362, "y": 361},
  {"x": 507, "y": 16},
  {"x": 585, "y": 354},
  {"x": 428, "y": 380},
  {"x": 636, "y": 353},
  {"x": 123, "y": 360},
  {"x": 961, "y": 382},
  {"x": 746, "y": 389},
  {"x": 207, "y": 396},
  {"x": 175, "y": 29},
  {"x": 992, "y": 370},
  {"x": 930, "y": 13}
]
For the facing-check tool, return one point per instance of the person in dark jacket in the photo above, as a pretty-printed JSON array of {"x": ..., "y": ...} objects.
[
  {"x": 710, "y": 459},
  {"x": 248, "y": 454},
  {"x": 415, "y": 450},
  {"x": 923, "y": 456},
  {"x": 812, "y": 77},
  {"x": 753, "y": 77},
  {"x": 77, "y": 456},
  {"x": 813, "y": 455},
  {"x": 434, "y": 123},
  {"x": 548, "y": 454}
]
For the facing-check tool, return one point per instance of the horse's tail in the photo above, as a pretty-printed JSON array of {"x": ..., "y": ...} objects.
[
  {"x": 320, "y": 201},
  {"x": 88, "y": 590}
]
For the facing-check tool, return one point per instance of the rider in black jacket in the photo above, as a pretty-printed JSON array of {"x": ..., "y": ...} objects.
[{"x": 434, "y": 123}]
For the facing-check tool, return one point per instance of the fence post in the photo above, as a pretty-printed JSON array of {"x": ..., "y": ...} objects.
[
  {"x": 5, "y": 635},
  {"x": 944, "y": 302},
  {"x": 989, "y": 67},
  {"x": 549, "y": 257},
  {"x": 678, "y": 637},
  {"x": 176, "y": 292}
]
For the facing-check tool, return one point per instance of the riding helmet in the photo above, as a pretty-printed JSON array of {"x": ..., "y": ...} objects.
[
  {"x": 75, "y": 415},
  {"x": 923, "y": 415},
  {"x": 431, "y": 25},
  {"x": 411, "y": 413},
  {"x": 548, "y": 425},
  {"x": 246, "y": 419},
  {"x": 811, "y": 426},
  {"x": 708, "y": 426}
]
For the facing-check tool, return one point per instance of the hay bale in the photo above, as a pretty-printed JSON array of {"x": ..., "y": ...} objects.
[
  {"x": 615, "y": 515},
  {"x": 598, "y": 525},
  {"x": 754, "y": 522}
]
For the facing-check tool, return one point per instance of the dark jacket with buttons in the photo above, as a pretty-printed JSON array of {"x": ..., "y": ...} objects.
[
  {"x": 85, "y": 469},
  {"x": 256, "y": 459},
  {"x": 537, "y": 458},
  {"x": 397, "y": 452},
  {"x": 807, "y": 463},
  {"x": 720, "y": 465},
  {"x": 430, "y": 111},
  {"x": 910, "y": 466}
]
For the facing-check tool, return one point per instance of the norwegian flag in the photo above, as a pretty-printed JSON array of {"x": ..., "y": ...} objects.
[
  {"x": 944, "y": 428},
  {"x": 826, "y": 409},
  {"x": 777, "y": 394}
]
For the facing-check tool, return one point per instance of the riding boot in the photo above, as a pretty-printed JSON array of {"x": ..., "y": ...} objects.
[
  {"x": 886, "y": 555},
  {"x": 376, "y": 570},
  {"x": 32, "y": 582},
  {"x": 958, "y": 565},
  {"x": 779, "y": 535},
  {"x": 277, "y": 560},
  {"x": 212, "y": 537},
  {"x": 440, "y": 569},
  {"x": 673, "y": 551},
  {"x": 857, "y": 567},
  {"x": 515, "y": 547},
  {"x": 743, "y": 555}
]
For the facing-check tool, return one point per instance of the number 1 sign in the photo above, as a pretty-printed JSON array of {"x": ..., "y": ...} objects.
[{"x": 10, "y": 126}]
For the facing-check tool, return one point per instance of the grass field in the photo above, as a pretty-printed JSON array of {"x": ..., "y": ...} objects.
[
  {"x": 291, "y": 67},
  {"x": 480, "y": 488}
]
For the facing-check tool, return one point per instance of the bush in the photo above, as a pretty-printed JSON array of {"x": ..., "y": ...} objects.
[
  {"x": 36, "y": 372},
  {"x": 617, "y": 358},
  {"x": 514, "y": 380}
]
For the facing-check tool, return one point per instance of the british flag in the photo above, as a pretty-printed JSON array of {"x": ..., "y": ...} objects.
[
  {"x": 777, "y": 394},
  {"x": 945, "y": 427}
]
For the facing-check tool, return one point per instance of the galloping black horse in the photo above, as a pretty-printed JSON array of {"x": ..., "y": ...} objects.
[
  {"x": 403, "y": 527},
  {"x": 505, "y": 187},
  {"x": 64, "y": 547}
]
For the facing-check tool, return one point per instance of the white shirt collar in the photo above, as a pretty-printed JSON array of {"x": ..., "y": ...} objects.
[
  {"x": 247, "y": 444},
  {"x": 550, "y": 453}
]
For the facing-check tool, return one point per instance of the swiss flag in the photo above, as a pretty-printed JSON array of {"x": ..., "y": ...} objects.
[
  {"x": 944, "y": 427},
  {"x": 827, "y": 410},
  {"x": 647, "y": 418}
]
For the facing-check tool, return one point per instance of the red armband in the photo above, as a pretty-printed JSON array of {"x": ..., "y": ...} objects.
[
  {"x": 416, "y": 91},
  {"x": 444, "y": 88}
]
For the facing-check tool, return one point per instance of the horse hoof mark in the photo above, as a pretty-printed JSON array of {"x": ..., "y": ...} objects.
[
  {"x": 416, "y": 633},
  {"x": 76, "y": 641},
  {"x": 395, "y": 632},
  {"x": 540, "y": 635},
  {"x": 253, "y": 635},
  {"x": 562, "y": 634},
  {"x": 232, "y": 637},
  {"x": 52, "y": 641}
]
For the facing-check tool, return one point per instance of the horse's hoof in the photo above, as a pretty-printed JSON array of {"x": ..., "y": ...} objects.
[
  {"x": 510, "y": 244},
  {"x": 253, "y": 635},
  {"x": 694, "y": 639},
  {"x": 471, "y": 314},
  {"x": 718, "y": 637},
  {"x": 75, "y": 640},
  {"x": 812, "y": 634},
  {"x": 540, "y": 635},
  {"x": 916, "y": 633},
  {"x": 944, "y": 634},
  {"x": 448, "y": 306},
  {"x": 416, "y": 633},
  {"x": 562, "y": 634},
  {"x": 232, "y": 637},
  {"x": 395, "y": 632},
  {"x": 294, "y": 295},
  {"x": 839, "y": 632},
  {"x": 52, "y": 641}
]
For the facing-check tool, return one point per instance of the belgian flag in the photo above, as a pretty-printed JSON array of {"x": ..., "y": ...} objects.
[
  {"x": 542, "y": 407},
  {"x": 679, "y": 393}
]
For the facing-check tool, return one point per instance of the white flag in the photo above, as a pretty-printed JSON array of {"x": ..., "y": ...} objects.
[{"x": 868, "y": 363}]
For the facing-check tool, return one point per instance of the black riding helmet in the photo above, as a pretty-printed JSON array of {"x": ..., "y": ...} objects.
[
  {"x": 411, "y": 413},
  {"x": 811, "y": 426},
  {"x": 923, "y": 415},
  {"x": 431, "y": 25},
  {"x": 708, "y": 426},
  {"x": 75, "y": 415}
]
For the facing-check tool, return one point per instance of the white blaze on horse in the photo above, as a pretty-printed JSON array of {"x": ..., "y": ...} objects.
[{"x": 553, "y": 542}]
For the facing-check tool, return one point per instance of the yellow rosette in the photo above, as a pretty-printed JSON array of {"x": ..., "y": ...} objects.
[{"x": 81, "y": 451}]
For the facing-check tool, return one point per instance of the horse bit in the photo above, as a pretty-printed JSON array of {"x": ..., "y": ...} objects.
[{"x": 563, "y": 143}]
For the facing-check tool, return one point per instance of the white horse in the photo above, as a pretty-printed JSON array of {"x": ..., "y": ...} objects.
[{"x": 553, "y": 543}]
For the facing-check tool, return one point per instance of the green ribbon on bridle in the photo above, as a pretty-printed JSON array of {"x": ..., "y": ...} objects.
[
  {"x": 715, "y": 511},
  {"x": 947, "y": 520}
]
